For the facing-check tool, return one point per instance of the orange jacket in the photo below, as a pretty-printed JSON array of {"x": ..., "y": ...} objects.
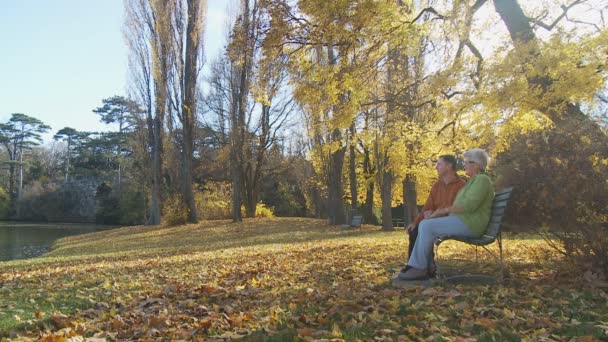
[{"x": 442, "y": 195}]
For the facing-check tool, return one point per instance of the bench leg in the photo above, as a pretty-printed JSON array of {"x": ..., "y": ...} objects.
[
  {"x": 438, "y": 270},
  {"x": 502, "y": 264}
]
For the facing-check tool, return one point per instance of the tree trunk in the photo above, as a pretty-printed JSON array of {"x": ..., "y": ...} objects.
[
  {"x": 352, "y": 170},
  {"x": 20, "y": 188},
  {"x": 368, "y": 210},
  {"x": 335, "y": 203},
  {"x": 410, "y": 195},
  {"x": 160, "y": 41},
  {"x": 157, "y": 148},
  {"x": 193, "y": 31},
  {"x": 318, "y": 201},
  {"x": 11, "y": 181},
  {"x": 236, "y": 195},
  {"x": 67, "y": 163},
  {"x": 387, "y": 186},
  {"x": 239, "y": 110},
  {"x": 251, "y": 202}
]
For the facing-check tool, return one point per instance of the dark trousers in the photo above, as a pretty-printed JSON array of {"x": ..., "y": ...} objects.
[
  {"x": 413, "y": 237},
  {"x": 410, "y": 248}
]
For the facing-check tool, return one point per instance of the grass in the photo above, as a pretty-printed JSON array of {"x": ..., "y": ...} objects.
[{"x": 278, "y": 279}]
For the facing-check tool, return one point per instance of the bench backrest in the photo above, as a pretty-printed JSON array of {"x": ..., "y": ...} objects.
[
  {"x": 357, "y": 221},
  {"x": 499, "y": 206}
]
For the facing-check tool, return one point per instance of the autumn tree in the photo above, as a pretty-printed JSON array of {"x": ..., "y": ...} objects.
[
  {"x": 71, "y": 137},
  {"x": 240, "y": 54},
  {"x": 187, "y": 61},
  {"x": 149, "y": 37},
  {"x": 165, "y": 38},
  {"x": 250, "y": 105},
  {"x": 18, "y": 135},
  {"x": 274, "y": 108},
  {"x": 334, "y": 47}
]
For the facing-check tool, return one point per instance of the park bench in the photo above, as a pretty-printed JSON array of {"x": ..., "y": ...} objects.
[
  {"x": 493, "y": 232},
  {"x": 398, "y": 223},
  {"x": 355, "y": 222}
]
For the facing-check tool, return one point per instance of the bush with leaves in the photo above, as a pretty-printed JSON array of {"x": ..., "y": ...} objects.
[
  {"x": 119, "y": 208},
  {"x": 175, "y": 211},
  {"x": 561, "y": 188},
  {"x": 5, "y": 204},
  {"x": 213, "y": 203},
  {"x": 284, "y": 195},
  {"x": 261, "y": 210}
]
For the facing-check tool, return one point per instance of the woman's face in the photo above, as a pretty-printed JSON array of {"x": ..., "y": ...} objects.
[{"x": 471, "y": 168}]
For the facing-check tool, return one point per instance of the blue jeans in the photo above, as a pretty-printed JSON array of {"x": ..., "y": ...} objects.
[{"x": 428, "y": 230}]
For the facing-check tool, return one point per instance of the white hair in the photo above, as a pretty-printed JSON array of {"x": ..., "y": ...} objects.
[{"x": 479, "y": 156}]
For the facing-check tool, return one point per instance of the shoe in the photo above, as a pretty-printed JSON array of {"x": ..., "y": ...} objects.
[
  {"x": 413, "y": 274},
  {"x": 406, "y": 268}
]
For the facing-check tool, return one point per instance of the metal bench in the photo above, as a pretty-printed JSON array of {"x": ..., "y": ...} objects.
[
  {"x": 355, "y": 222},
  {"x": 493, "y": 232},
  {"x": 398, "y": 223}
]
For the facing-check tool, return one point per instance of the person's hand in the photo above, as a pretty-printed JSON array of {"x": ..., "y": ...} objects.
[
  {"x": 410, "y": 227},
  {"x": 435, "y": 214},
  {"x": 440, "y": 212},
  {"x": 428, "y": 214}
]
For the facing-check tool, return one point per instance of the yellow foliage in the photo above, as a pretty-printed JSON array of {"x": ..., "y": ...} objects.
[
  {"x": 175, "y": 211},
  {"x": 261, "y": 210},
  {"x": 214, "y": 203},
  {"x": 523, "y": 122}
]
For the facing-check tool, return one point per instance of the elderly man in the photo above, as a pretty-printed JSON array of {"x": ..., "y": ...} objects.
[
  {"x": 468, "y": 216},
  {"x": 442, "y": 195}
]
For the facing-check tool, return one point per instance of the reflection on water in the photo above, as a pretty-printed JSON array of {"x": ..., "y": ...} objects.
[{"x": 27, "y": 240}]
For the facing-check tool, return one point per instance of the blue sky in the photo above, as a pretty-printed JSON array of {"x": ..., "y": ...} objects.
[{"x": 60, "y": 58}]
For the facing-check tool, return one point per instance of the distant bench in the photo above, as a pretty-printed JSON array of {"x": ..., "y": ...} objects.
[
  {"x": 355, "y": 222},
  {"x": 399, "y": 223}
]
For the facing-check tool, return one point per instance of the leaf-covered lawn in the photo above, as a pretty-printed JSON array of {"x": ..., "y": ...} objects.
[{"x": 281, "y": 279}]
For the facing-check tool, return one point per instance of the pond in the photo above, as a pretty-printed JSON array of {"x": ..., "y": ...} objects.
[{"x": 20, "y": 240}]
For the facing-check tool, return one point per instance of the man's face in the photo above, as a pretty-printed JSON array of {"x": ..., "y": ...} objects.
[{"x": 442, "y": 167}]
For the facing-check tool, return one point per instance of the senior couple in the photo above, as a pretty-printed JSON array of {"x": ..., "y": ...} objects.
[{"x": 453, "y": 208}]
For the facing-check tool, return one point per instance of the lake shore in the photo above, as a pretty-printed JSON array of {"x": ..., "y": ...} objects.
[{"x": 23, "y": 240}]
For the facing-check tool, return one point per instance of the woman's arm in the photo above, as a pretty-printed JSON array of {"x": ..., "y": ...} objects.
[{"x": 455, "y": 208}]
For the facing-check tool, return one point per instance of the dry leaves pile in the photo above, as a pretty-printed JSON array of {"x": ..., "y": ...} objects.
[{"x": 278, "y": 279}]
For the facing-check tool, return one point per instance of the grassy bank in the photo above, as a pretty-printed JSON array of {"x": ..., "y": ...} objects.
[{"x": 280, "y": 279}]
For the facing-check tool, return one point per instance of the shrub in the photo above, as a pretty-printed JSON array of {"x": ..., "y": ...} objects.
[
  {"x": 285, "y": 198},
  {"x": 5, "y": 204},
  {"x": 561, "y": 189},
  {"x": 175, "y": 211},
  {"x": 261, "y": 210},
  {"x": 124, "y": 208},
  {"x": 213, "y": 203}
]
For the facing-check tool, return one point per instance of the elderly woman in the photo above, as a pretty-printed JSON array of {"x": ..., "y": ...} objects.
[{"x": 468, "y": 216}]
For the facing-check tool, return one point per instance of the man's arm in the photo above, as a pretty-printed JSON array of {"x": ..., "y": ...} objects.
[{"x": 427, "y": 210}]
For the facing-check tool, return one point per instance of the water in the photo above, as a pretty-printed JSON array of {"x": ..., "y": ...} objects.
[{"x": 27, "y": 240}]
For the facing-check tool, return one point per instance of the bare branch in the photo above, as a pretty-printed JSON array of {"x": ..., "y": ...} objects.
[
  {"x": 477, "y": 54},
  {"x": 597, "y": 28},
  {"x": 565, "y": 10},
  {"x": 428, "y": 10},
  {"x": 477, "y": 5},
  {"x": 452, "y": 94}
]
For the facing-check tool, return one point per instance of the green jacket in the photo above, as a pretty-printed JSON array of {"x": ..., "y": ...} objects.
[{"x": 476, "y": 199}]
